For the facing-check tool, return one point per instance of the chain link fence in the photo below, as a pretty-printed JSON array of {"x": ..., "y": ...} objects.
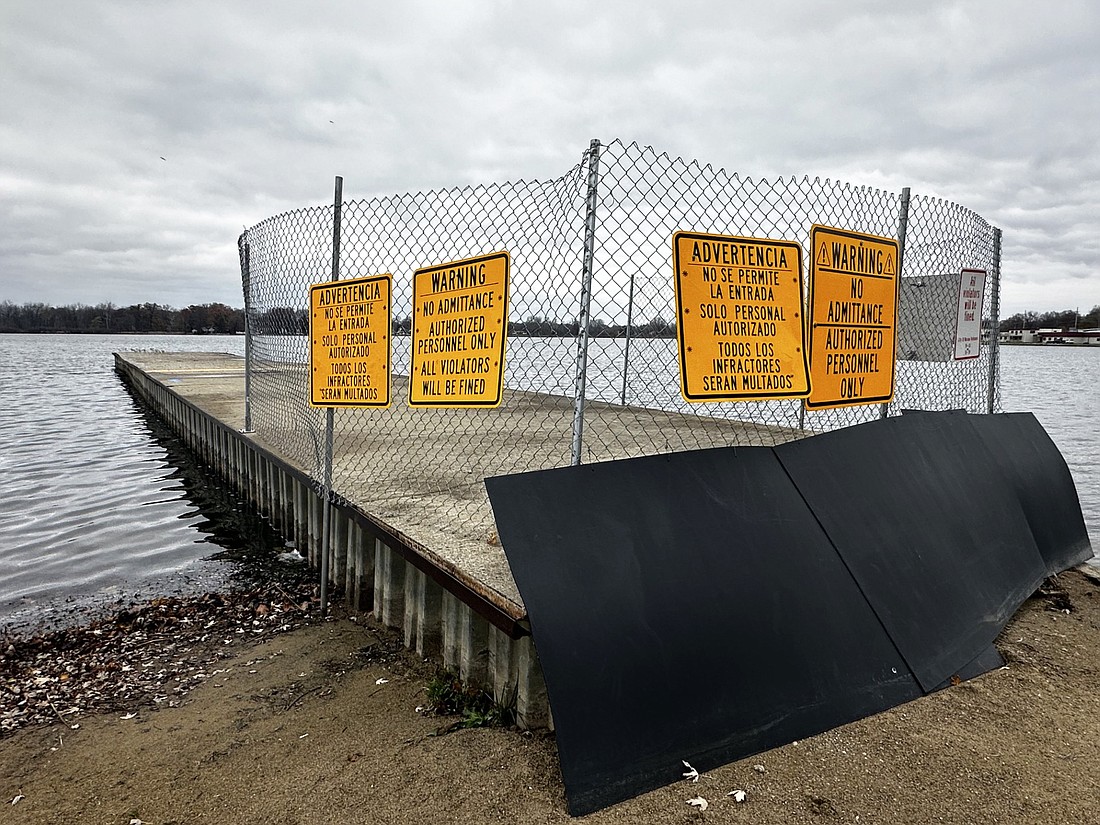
[{"x": 592, "y": 369}]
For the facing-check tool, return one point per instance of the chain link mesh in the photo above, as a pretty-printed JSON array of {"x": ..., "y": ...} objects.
[{"x": 421, "y": 470}]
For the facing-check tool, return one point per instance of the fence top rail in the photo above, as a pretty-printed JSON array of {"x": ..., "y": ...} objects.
[{"x": 610, "y": 151}]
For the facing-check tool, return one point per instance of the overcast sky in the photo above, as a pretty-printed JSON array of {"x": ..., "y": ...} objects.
[{"x": 138, "y": 139}]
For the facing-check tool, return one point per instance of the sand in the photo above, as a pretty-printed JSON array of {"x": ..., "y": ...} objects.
[{"x": 321, "y": 724}]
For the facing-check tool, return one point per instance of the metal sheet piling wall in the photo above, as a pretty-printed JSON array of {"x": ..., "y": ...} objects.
[{"x": 376, "y": 572}]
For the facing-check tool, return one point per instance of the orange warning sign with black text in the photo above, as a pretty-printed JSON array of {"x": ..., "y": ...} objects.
[
  {"x": 852, "y": 318},
  {"x": 739, "y": 318}
]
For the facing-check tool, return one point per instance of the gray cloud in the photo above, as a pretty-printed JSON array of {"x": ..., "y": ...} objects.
[{"x": 255, "y": 108}]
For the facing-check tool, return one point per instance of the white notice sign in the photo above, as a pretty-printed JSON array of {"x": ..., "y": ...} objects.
[{"x": 968, "y": 326}]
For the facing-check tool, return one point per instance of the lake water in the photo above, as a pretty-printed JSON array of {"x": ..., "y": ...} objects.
[
  {"x": 93, "y": 502},
  {"x": 98, "y": 503},
  {"x": 1059, "y": 385}
]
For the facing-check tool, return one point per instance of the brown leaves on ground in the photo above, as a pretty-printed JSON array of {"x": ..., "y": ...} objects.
[{"x": 153, "y": 652}]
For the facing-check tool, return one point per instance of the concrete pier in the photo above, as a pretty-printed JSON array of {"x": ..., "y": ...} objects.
[
  {"x": 444, "y": 613},
  {"x": 455, "y": 601}
]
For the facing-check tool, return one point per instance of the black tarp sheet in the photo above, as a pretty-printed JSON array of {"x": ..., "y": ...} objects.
[{"x": 708, "y": 605}]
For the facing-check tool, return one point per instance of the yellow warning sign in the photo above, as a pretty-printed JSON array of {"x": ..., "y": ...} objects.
[
  {"x": 739, "y": 318},
  {"x": 852, "y": 318},
  {"x": 460, "y": 322},
  {"x": 349, "y": 343}
]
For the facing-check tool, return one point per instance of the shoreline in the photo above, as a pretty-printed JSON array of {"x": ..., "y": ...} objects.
[
  {"x": 153, "y": 650},
  {"x": 1047, "y": 344}
]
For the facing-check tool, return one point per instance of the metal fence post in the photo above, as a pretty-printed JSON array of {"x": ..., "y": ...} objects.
[
  {"x": 326, "y": 503},
  {"x": 586, "y": 299},
  {"x": 995, "y": 322},
  {"x": 247, "y": 274},
  {"x": 629, "y": 329},
  {"x": 903, "y": 226}
]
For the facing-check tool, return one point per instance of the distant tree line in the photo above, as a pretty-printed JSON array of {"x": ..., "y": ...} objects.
[
  {"x": 225, "y": 320},
  {"x": 108, "y": 318},
  {"x": 295, "y": 321},
  {"x": 1066, "y": 319},
  {"x": 536, "y": 325}
]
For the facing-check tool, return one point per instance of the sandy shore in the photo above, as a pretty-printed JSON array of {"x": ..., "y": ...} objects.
[{"x": 320, "y": 723}]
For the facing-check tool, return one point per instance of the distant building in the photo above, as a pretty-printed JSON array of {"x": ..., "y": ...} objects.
[
  {"x": 1069, "y": 337},
  {"x": 1019, "y": 336},
  {"x": 1079, "y": 337}
]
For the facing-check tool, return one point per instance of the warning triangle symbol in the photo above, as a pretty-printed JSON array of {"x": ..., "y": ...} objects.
[
  {"x": 888, "y": 266},
  {"x": 823, "y": 256}
]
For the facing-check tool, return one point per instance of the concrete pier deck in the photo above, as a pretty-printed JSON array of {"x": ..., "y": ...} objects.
[
  {"x": 214, "y": 384},
  {"x": 413, "y": 554}
]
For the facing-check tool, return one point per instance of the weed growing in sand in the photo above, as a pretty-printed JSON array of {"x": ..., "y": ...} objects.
[{"x": 448, "y": 695}]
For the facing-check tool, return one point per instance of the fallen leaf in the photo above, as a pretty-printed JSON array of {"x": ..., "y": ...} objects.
[
  {"x": 381, "y": 681},
  {"x": 18, "y": 798},
  {"x": 738, "y": 796},
  {"x": 699, "y": 803},
  {"x": 128, "y": 716},
  {"x": 691, "y": 773}
]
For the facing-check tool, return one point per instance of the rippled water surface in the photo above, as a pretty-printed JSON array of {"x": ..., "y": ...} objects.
[
  {"x": 91, "y": 503},
  {"x": 97, "y": 502}
]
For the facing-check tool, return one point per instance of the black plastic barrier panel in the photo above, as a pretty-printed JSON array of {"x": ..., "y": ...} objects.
[
  {"x": 686, "y": 607},
  {"x": 935, "y": 537},
  {"x": 1030, "y": 463},
  {"x": 705, "y": 606}
]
